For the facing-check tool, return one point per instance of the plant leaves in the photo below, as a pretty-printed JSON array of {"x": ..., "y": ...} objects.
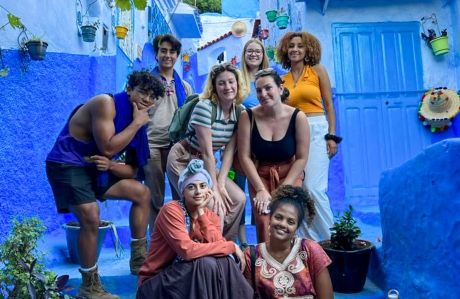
[
  {"x": 15, "y": 22},
  {"x": 62, "y": 281},
  {"x": 123, "y": 4},
  {"x": 140, "y": 4},
  {"x": 4, "y": 71}
]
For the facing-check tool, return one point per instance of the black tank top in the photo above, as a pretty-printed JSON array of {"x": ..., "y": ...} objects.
[{"x": 273, "y": 151}]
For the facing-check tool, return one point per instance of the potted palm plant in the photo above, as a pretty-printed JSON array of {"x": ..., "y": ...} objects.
[{"x": 350, "y": 256}]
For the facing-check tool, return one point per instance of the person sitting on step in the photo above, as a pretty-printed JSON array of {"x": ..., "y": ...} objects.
[{"x": 188, "y": 256}]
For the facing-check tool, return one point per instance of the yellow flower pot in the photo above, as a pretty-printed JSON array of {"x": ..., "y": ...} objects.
[
  {"x": 121, "y": 31},
  {"x": 440, "y": 45}
]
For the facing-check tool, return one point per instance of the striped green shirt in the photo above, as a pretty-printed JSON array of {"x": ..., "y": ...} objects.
[{"x": 221, "y": 130}]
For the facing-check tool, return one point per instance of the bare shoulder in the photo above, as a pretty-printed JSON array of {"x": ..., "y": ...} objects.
[
  {"x": 319, "y": 69},
  {"x": 101, "y": 104}
]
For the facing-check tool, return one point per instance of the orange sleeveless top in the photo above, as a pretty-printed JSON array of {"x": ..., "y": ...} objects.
[{"x": 306, "y": 94}]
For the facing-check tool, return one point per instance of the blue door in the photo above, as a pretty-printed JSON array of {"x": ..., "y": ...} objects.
[{"x": 379, "y": 82}]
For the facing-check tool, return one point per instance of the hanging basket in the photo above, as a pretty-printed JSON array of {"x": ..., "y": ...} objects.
[
  {"x": 121, "y": 31},
  {"x": 88, "y": 33},
  {"x": 282, "y": 21},
  {"x": 36, "y": 49},
  {"x": 271, "y": 53},
  {"x": 271, "y": 15},
  {"x": 440, "y": 45}
]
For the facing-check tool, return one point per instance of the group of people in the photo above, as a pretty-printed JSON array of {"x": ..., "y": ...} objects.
[{"x": 283, "y": 141}]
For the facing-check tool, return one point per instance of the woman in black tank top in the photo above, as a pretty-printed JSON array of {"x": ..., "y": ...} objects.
[{"x": 273, "y": 142}]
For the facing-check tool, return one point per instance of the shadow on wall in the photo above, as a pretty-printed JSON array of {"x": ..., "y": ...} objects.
[{"x": 419, "y": 204}]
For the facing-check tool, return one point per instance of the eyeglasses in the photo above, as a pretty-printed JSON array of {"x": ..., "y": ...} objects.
[
  {"x": 265, "y": 72},
  {"x": 253, "y": 51}
]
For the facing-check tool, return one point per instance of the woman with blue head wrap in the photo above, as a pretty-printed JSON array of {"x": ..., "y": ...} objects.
[{"x": 189, "y": 257}]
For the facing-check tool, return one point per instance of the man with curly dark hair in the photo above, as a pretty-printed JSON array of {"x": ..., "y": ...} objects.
[{"x": 96, "y": 156}]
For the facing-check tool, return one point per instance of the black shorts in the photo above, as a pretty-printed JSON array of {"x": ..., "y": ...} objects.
[{"x": 75, "y": 185}]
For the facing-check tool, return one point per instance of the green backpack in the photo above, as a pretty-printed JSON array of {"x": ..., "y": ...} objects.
[{"x": 178, "y": 127}]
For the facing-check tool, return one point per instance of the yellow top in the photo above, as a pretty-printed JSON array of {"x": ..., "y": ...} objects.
[{"x": 305, "y": 94}]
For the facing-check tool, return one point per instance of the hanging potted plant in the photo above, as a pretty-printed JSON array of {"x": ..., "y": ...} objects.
[
  {"x": 436, "y": 39},
  {"x": 270, "y": 52},
  {"x": 350, "y": 256},
  {"x": 88, "y": 31},
  {"x": 282, "y": 19},
  {"x": 263, "y": 34},
  {"x": 121, "y": 31},
  {"x": 36, "y": 47},
  {"x": 271, "y": 15}
]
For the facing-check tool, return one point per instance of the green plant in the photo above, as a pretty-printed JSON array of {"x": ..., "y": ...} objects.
[
  {"x": 345, "y": 231},
  {"x": 127, "y": 4},
  {"x": 23, "y": 275}
]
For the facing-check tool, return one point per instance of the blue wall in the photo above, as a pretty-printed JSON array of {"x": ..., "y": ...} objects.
[
  {"x": 240, "y": 8},
  {"x": 34, "y": 107},
  {"x": 419, "y": 204}
]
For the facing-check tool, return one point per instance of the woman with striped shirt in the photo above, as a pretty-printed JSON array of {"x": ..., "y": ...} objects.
[{"x": 224, "y": 91}]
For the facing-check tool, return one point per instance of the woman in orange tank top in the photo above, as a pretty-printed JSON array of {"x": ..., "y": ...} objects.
[{"x": 310, "y": 91}]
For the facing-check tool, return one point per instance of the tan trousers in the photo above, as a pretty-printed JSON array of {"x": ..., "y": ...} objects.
[
  {"x": 178, "y": 159},
  {"x": 272, "y": 175}
]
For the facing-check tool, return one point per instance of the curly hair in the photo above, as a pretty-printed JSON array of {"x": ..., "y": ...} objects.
[
  {"x": 269, "y": 72},
  {"x": 297, "y": 197},
  {"x": 159, "y": 39},
  {"x": 312, "y": 47},
  {"x": 244, "y": 67},
  {"x": 209, "y": 91},
  {"x": 147, "y": 82}
]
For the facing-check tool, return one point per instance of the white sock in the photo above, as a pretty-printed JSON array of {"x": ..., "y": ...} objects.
[{"x": 88, "y": 269}]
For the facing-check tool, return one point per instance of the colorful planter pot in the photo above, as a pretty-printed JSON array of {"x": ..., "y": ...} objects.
[
  {"x": 271, "y": 53},
  {"x": 88, "y": 33},
  {"x": 271, "y": 15},
  {"x": 263, "y": 34},
  {"x": 440, "y": 45},
  {"x": 36, "y": 49},
  {"x": 282, "y": 21},
  {"x": 121, "y": 31}
]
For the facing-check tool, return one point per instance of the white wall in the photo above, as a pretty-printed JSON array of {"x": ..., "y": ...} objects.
[{"x": 56, "y": 22}]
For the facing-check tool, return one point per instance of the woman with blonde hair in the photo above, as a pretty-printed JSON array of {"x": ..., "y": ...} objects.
[
  {"x": 310, "y": 88},
  {"x": 223, "y": 94},
  {"x": 253, "y": 59}
]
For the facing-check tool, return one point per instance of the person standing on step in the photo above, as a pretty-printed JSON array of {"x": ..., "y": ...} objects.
[
  {"x": 310, "y": 88},
  {"x": 222, "y": 95},
  {"x": 188, "y": 256},
  {"x": 167, "y": 49},
  {"x": 272, "y": 145},
  {"x": 84, "y": 165},
  {"x": 253, "y": 59}
]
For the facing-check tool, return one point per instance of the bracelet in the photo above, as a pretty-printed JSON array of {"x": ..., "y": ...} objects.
[{"x": 337, "y": 139}]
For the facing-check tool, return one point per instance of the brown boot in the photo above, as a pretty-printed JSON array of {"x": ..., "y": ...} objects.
[
  {"x": 138, "y": 255},
  {"x": 91, "y": 287}
]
